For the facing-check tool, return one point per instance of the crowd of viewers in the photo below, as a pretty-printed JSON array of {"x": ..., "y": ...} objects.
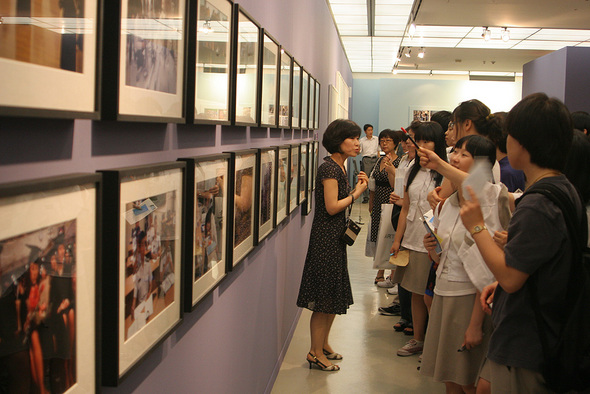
[{"x": 467, "y": 308}]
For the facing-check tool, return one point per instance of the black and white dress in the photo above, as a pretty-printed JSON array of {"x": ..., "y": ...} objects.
[
  {"x": 325, "y": 285},
  {"x": 381, "y": 196}
]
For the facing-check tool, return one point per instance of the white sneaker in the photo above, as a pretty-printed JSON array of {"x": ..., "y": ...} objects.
[
  {"x": 410, "y": 348},
  {"x": 393, "y": 290},
  {"x": 387, "y": 283}
]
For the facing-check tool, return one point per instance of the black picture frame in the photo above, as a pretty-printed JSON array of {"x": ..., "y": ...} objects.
[
  {"x": 266, "y": 193},
  {"x": 316, "y": 162},
  {"x": 242, "y": 211},
  {"x": 305, "y": 78},
  {"x": 53, "y": 224},
  {"x": 294, "y": 156},
  {"x": 296, "y": 95},
  {"x": 269, "y": 89},
  {"x": 282, "y": 194},
  {"x": 311, "y": 122},
  {"x": 303, "y": 165},
  {"x": 245, "y": 110},
  {"x": 133, "y": 39},
  {"x": 317, "y": 105},
  {"x": 62, "y": 82},
  {"x": 210, "y": 61},
  {"x": 136, "y": 319},
  {"x": 309, "y": 178},
  {"x": 207, "y": 185},
  {"x": 285, "y": 86}
]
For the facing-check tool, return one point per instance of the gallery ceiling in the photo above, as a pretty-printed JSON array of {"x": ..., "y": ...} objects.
[{"x": 378, "y": 35}]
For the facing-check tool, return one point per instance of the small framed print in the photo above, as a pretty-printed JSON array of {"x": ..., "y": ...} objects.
[
  {"x": 294, "y": 177},
  {"x": 283, "y": 174},
  {"x": 143, "y": 61},
  {"x": 266, "y": 193},
  {"x": 49, "y": 271},
  {"x": 316, "y": 162},
  {"x": 303, "y": 165},
  {"x": 304, "y": 99},
  {"x": 205, "y": 228},
  {"x": 242, "y": 200},
  {"x": 285, "y": 90},
  {"x": 48, "y": 56},
  {"x": 142, "y": 241},
  {"x": 270, "y": 81},
  {"x": 247, "y": 85},
  {"x": 317, "y": 106},
  {"x": 311, "y": 123},
  {"x": 296, "y": 97},
  {"x": 308, "y": 188},
  {"x": 213, "y": 61}
]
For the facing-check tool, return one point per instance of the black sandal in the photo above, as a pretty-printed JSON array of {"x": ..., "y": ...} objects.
[
  {"x": 401, "y": 325},
  {"x": 409, "y": 330},
  {"x": 379, "y": 279}
]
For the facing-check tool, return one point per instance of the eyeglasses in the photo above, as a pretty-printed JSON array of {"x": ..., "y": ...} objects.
[
  {"x": 388, "y": 140},
  {"x": 451, "y": 125}
]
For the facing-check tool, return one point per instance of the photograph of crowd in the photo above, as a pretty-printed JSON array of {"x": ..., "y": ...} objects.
[
  {"x": 243, "y": 204},
  {"x": 55, "y": 42},
  {"x": 302, "y": 172},
  {"x": 282, "y": 183},
  {"x": 38, "y": 310},
  {"x": 209, "y": 220},
  {"x": 150, "y": 234},
  {"x": 266, "y": 186},
  {"x": 422, "y": 115},
  {"x": 152, "y": 54},
  {"x": 293, "y": 178}
]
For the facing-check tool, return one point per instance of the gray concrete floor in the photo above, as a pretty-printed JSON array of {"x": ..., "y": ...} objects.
[{"x": 365, "y": 338}]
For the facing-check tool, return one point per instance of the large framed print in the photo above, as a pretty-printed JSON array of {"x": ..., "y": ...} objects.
[
  {"x": 270, "y": 81},
  {"x": 303, "y": 165},
  {"x": 205, "y": 228},
  {"x": 246, "y": 110},
  {"x": 304, "y": 99},
  {"x": 48, "y": 57},
  {"x": 213, "y": 61},
  {"x": 242, "y": 216},
  {"x": 266, "y": 193},
  {"x": 317, "y": 106},
  {"x": 283, "y": 174},
  {"x": 142, "y": 242},
  {"x": 49, "y": 270},
  {"x": 285, "y": 90},
  {"x": 296, "y": 97},
  {"x": 308, "y": 177},
  {"x": 144, "y": 60},
  {"x": 294, "y": 177}
]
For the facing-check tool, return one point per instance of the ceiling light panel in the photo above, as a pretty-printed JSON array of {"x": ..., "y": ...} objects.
[
  {"x": 443, "y": 31},
  {"x": 515, "y": 33},
  {"x": 354, "y": 19},
  {"x": 584, "y": 44},
  {"x": 561, "y": 35},
  {"x": 544, "y": 45},
  {"x": 349, "y": 9},
  {"x": 481, "y": 43},
  {"x": 432, "y": 42},
  {"x": 353, "y": 30}
]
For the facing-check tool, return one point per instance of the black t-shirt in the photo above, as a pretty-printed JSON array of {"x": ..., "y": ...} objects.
[{"x": 538, "y": 244}]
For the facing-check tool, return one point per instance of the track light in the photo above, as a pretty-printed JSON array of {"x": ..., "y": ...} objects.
[
  {"x": 421, "y": 53},
  {"x": 206, "y": 28},
  {"x": 412, "y": 30},
  {"x": 409, "y": 53},
  {"x": 487, "y": 34},
  {"x": 505, "y": 34}
]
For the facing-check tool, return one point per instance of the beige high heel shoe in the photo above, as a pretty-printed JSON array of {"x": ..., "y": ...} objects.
[{"x": 321, "y": 365}]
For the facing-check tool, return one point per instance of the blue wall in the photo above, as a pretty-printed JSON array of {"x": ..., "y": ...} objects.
[{"x": 235, "y": 340}]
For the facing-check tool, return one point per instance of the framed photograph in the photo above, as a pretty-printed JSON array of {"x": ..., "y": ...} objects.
[
  {"x": 304, "y": 99},
  {"x": 283, "y": 174},
  {"x": 266, "y": 193},
  {"x": 308, "y": 188},
  {"x": 242, "y": 205},
  {"x": 316, "y": 162},
  {"x": 270, "y": 81},
  {"x": 422, "y": 114},
  {"x": 48, "y": 56},
  {"x": 248, "y": 33},
  {"x": 142, "y": 241},
  {"x": 296, "y": 97},
  {"x": 144, "y": 60},
  {"x": 317, "y": 106},
  {"x": 213, "y": 61},
  {"x": 303, "y": 165},
  {"x": 294, "y": 177},
  {"x": 49, "y": 271},
  {"x": 206, "y": 185},
  {"x": 285, "y": 90},
  {"x": 311, "y": 122}
]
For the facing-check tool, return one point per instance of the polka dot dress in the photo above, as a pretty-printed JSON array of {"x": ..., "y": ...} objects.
[
  {"x": 381, "y": 196},
  {"x": 325, "y": 286}
]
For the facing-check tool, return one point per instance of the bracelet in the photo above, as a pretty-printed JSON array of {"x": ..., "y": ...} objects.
[{"x": 351, "y": 196}]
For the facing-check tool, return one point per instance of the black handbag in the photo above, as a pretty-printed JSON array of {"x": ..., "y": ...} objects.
[{"x": 351, "y": 230}]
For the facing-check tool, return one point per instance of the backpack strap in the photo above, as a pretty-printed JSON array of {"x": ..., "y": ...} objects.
[{"x": 578, "y": 233}]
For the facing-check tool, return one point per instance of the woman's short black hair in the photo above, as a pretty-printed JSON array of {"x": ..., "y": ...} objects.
[
  {"x": 497, "y": 132},
  {"x": 543, "y": 126},
  {"x": 442, "y": 118},
  {"x": 478, "y": 146},
  {"x": 429, "y": 131},
  {"x": 338, "y": 131},
  {"x": 396, "y": 135},
  {"x": 577, "y": 165}
]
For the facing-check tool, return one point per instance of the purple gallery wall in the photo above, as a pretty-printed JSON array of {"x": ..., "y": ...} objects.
[
  {"x": 562, "y": 74},
  {"x": 236, "y": 338}
]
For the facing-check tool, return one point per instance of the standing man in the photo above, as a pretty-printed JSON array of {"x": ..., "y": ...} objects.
[{"x": 369, "y": 153}]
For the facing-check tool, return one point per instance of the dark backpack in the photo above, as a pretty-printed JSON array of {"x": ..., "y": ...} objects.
[{"x": 566, "y": 366}]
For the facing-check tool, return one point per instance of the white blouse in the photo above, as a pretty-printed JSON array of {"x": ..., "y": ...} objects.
[{"x": 418, "y": 193}]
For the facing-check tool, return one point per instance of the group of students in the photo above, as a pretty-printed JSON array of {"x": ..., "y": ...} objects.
[{"x": 495, "y": 238}]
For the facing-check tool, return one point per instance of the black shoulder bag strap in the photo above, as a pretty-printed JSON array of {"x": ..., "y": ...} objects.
[{"x": 578, "y": 234}]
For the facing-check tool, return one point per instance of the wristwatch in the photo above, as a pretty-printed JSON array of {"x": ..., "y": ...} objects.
[{"x": 478, "y": 229}]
